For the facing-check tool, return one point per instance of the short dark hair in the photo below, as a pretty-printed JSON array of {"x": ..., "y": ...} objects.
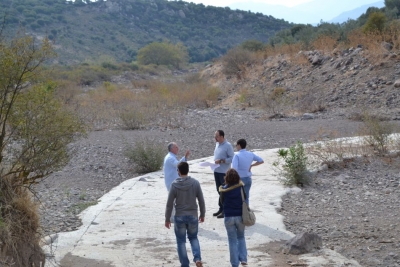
[
  {"x": 221, "y": 133},
  {"x": 232, "y": 177},
  {"x": 242, "y": 143},
  {"x": 183, "y": 168}
]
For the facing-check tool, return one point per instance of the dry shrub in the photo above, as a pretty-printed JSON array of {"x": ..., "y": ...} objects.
[
  {"x": 311, "y": 101},
  {"x": 155, "y": 103},
  {"x": 147, "y": 155},
  {"x": 377, "y": 133},
  {"x": 289, "y": 52},
  {"x": 133, "y": 118},
  {"x": 300, "y": 59},
  {"x": 335, "y": 151},
  {"x": 370, "y": 42},
  {"x": 286, "y": 49},
  {"x": 99, "y": 108},
  {"x": 392, "y": 34},
  {"x": 236, "y": 60},
  {"x": 19, "y": 226},
  {"x": 67, "y": 91},
  {"x": 244, "y": 94},
  {"x": 277, "y": 101},
  {"x": 325, "y": 43}
]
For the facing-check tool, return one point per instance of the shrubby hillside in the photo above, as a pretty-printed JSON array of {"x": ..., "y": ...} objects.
[{"x": 117, "y": 29}]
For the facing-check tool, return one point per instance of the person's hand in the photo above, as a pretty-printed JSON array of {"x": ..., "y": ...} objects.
[
  {"x": 187, "y": 154},
  {"x": 168, "y": 225},
  {"x": 201, "y": 219}
]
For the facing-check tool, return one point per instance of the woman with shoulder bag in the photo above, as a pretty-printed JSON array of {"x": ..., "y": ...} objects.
[{"x": 231, "y": 199}]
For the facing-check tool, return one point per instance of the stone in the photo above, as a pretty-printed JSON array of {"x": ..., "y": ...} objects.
[
  {"x": 397, "y": 84},
  {"x": 303, "y": 243}
]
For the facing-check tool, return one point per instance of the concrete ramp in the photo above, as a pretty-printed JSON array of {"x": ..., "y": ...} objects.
[{"x": 126, "y": 227}]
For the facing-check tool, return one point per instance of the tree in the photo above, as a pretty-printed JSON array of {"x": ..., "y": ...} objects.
[
  {"x": 34, "y": 133},
  {"x": 163, "y": 53},
  {"x": 392, "y": 4},
  {"x": 375, "y": 23},
  {"x": 253, "y": 45}
]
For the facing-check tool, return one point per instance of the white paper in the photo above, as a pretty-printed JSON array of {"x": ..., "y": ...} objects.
[{"x": 213, "y": 166}]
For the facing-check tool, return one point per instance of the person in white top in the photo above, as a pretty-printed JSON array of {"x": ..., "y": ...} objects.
[{"x": 243, "y": 162}]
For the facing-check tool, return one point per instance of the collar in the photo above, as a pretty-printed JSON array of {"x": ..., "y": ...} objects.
[{"x": 223, "y": 190}]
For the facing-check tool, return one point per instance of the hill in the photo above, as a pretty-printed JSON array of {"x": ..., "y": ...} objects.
[
  {"x": 342, "y": 82},
  {"x": 117, "y": 29}
]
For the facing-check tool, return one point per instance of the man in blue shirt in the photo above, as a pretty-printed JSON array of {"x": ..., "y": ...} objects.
[
  {"x": 242, "y": 163},
  {"x": 223, "y": 155},
  {"x": 171, "y": 163}
]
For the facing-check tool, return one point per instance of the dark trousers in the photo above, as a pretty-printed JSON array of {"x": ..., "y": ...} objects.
[{"x": 219, "y": 180}]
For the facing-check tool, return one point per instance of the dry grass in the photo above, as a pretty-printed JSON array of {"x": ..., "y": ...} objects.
[
  {"x": 139, "y": 104},
  {"x": 19, "y": 236},
  {"x": 332, "y": 151},
  {"x": 325, "y": 43}
]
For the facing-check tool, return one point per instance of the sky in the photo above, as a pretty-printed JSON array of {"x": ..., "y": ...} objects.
[{"x": 223, "y": 3}]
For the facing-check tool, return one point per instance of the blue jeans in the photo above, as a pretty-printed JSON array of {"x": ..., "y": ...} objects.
[
  {"x": 247, "y": 184},
  {"x": 189, "y": 225},
  {"x": 219, "y": 180},
  {"x": 237, "y": 243}
]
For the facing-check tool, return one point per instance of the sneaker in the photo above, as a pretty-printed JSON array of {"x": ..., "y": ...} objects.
[
  {"x": 244, "y": 263},
  {"x": 217, "y": 213},
  {"x": 199, "y": 264},
  {"x": 220, "y": 216}
]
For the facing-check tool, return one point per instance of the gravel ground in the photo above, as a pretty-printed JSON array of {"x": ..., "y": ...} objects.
[{"x": 354, "y": 209}]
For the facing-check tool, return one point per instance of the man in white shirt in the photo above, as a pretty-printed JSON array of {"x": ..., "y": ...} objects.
[{"x": 171, "y": 164}]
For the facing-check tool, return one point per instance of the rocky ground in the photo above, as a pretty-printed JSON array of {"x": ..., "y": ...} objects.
[{"x": 354, "y": 209}]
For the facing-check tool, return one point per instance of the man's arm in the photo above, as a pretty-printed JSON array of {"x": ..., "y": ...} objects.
[
  {"x": 169, "y": 207},
  {"x": 258, "y": 161},
  {"x": 200, "y": 199},
  {"x": 230, "y": 154}
]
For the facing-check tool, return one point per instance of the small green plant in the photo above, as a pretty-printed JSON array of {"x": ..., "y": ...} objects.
[
  {"x": 81, "y": 206},
  {"x": 82, "y": 196},
  {"x": 146, "y": 155},
  {"x": 294, "y": 168}
]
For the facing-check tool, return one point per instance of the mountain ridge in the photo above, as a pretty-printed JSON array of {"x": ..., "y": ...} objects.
[
  {"x": 325, "y": 10},
  {"x": 117, "y": 29}
]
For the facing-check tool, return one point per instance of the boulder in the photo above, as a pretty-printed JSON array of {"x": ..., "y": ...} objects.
[
  {"x": 303, "y": 243},
  {"x": 387, "y": 46},
  {"x": 397, "y": 83}
]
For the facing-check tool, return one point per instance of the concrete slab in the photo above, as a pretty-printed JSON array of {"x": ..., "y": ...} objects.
[{"x": 126, "y": 227}]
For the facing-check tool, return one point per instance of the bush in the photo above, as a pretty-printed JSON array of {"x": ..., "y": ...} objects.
[
  {"x": 294, "y": 169},
  {"x": 235, "y": 61},
  {"x": 277, "y": 101},
  {"x": 146, "y": 155},
  {"x": 377, "y": 133},
  {"x": 132, "y": 119}
]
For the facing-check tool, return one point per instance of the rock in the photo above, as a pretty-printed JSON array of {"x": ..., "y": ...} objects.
[
  {"x": 397, "y": 84},
  {"x": 387, "y": 46},
  {"x": 47, "y": 240},
  {"x": 308, "y": 116},
  {"x": 303, "y": 243}
]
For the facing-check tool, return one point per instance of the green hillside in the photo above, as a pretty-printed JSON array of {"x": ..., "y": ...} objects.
[{"x": 117, "y": 29}]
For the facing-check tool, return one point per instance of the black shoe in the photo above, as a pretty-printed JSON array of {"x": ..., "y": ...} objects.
[
  {"x": 217, "y": 213},
  {"x": 220, "y": 216}
]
